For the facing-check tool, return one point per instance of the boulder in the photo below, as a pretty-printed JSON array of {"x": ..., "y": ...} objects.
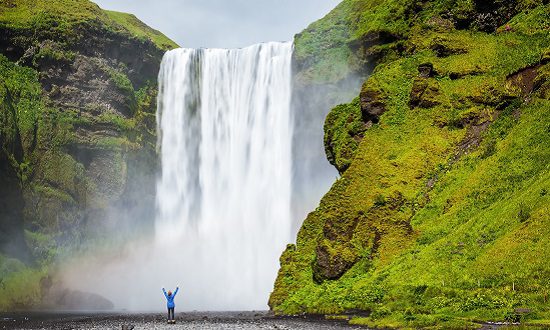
[
  {"x": 424, "y": 93},
  {"x": 372, "y": 102}
]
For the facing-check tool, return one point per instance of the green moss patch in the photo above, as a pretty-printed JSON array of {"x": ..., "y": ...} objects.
[
  {"x": 65, "y": 19},
  {"x": 439, "y": 217},
  {"x": 138, "y": 28}
]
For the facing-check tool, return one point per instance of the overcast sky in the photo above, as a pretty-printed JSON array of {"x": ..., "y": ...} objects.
[{"x": 224, "y": 23}]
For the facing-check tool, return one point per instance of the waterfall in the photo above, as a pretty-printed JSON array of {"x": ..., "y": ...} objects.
[{"x": 223, "y": 195}]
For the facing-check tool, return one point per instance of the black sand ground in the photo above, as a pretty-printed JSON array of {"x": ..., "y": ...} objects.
[{"x": 195, "y": 320}]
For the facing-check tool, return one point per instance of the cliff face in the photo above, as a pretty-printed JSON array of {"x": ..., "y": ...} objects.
[
  {"x": 77, "y": 130},
  {"x": 442, "y": 208},
  {"x": 322, "y": 80}
]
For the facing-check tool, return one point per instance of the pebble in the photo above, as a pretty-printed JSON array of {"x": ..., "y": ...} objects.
[{"x": 195, "y": 320}]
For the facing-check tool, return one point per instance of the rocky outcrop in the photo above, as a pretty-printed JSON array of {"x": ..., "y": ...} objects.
[
  {"x": 344, "y": 128},
  {"x": 372, "y": 102}
]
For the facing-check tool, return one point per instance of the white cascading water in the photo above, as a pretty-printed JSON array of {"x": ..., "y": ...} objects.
[{"x": 223, "y": 198}]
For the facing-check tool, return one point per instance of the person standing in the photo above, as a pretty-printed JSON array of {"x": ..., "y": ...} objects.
[{"x": 170, "y": 303}]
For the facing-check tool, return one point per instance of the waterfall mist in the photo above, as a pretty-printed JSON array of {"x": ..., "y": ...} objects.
[
  {"x": 223, "y": 194},
  {"x": 313, "y": 175}
]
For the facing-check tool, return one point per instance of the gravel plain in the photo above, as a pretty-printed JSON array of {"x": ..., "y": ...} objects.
[{"x": 194, "y": 320}]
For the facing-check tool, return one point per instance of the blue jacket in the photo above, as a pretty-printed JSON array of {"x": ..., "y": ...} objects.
[{"x": 170, "y": 299}]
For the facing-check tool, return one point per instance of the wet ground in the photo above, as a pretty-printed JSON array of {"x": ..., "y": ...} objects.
[{"x": 195, "y": 320}]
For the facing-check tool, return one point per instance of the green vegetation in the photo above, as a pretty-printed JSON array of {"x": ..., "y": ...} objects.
[
  {"x": 73, "y": 124},
  {"x": 20, "y": 91},
  {"x": 440, "y": 217},
  {"x": 52, "y": 53},
  {"x": 67, "y": 20},
  {"x": 343, "y": 131},
  {"x": 358, "y": 31},
  {"x": 19, "y": 284},
  {"x": 138, "y": 28},
  {"x": 121, "y": 81}
]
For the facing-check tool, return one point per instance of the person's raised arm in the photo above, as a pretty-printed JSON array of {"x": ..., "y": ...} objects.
[
  {"x": 176, "y": 292},
  {"x": 165, "y": 294}
]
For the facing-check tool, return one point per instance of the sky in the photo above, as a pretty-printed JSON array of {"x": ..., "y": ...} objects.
[{"x": 224, "y": 23}]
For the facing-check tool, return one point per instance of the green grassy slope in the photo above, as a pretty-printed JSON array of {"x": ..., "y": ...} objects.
[
  {"x": 65, "y": 19},
  {"x": 139, "y": 29},
  {"x": 441, "y": 211}
]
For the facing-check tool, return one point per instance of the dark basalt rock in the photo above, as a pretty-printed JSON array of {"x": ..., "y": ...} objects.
[
  {"x": 331, "y": 266},
  {"x": 487, "y": 16},
  {"x": 424, "y": 93},
  {"x": 87, "y": 86},
  {"x": 445, "y": 48},
  {"x": 335, "y": 254},
  {"x": 492, "y": 14},
  {"x": 372, "y": 103},
  {"x": 426, "y": 70},
  {"x": 526, "y": 80},
  {"x": 366, "y": 46}
]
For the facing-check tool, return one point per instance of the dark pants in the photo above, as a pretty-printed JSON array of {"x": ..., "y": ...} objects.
[{"x": 170, "y": 313}]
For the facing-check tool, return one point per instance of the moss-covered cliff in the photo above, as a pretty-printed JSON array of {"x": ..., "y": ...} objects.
[
  {"x": 442, "y": 210},
  {"x": 77, "y": 134}
]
